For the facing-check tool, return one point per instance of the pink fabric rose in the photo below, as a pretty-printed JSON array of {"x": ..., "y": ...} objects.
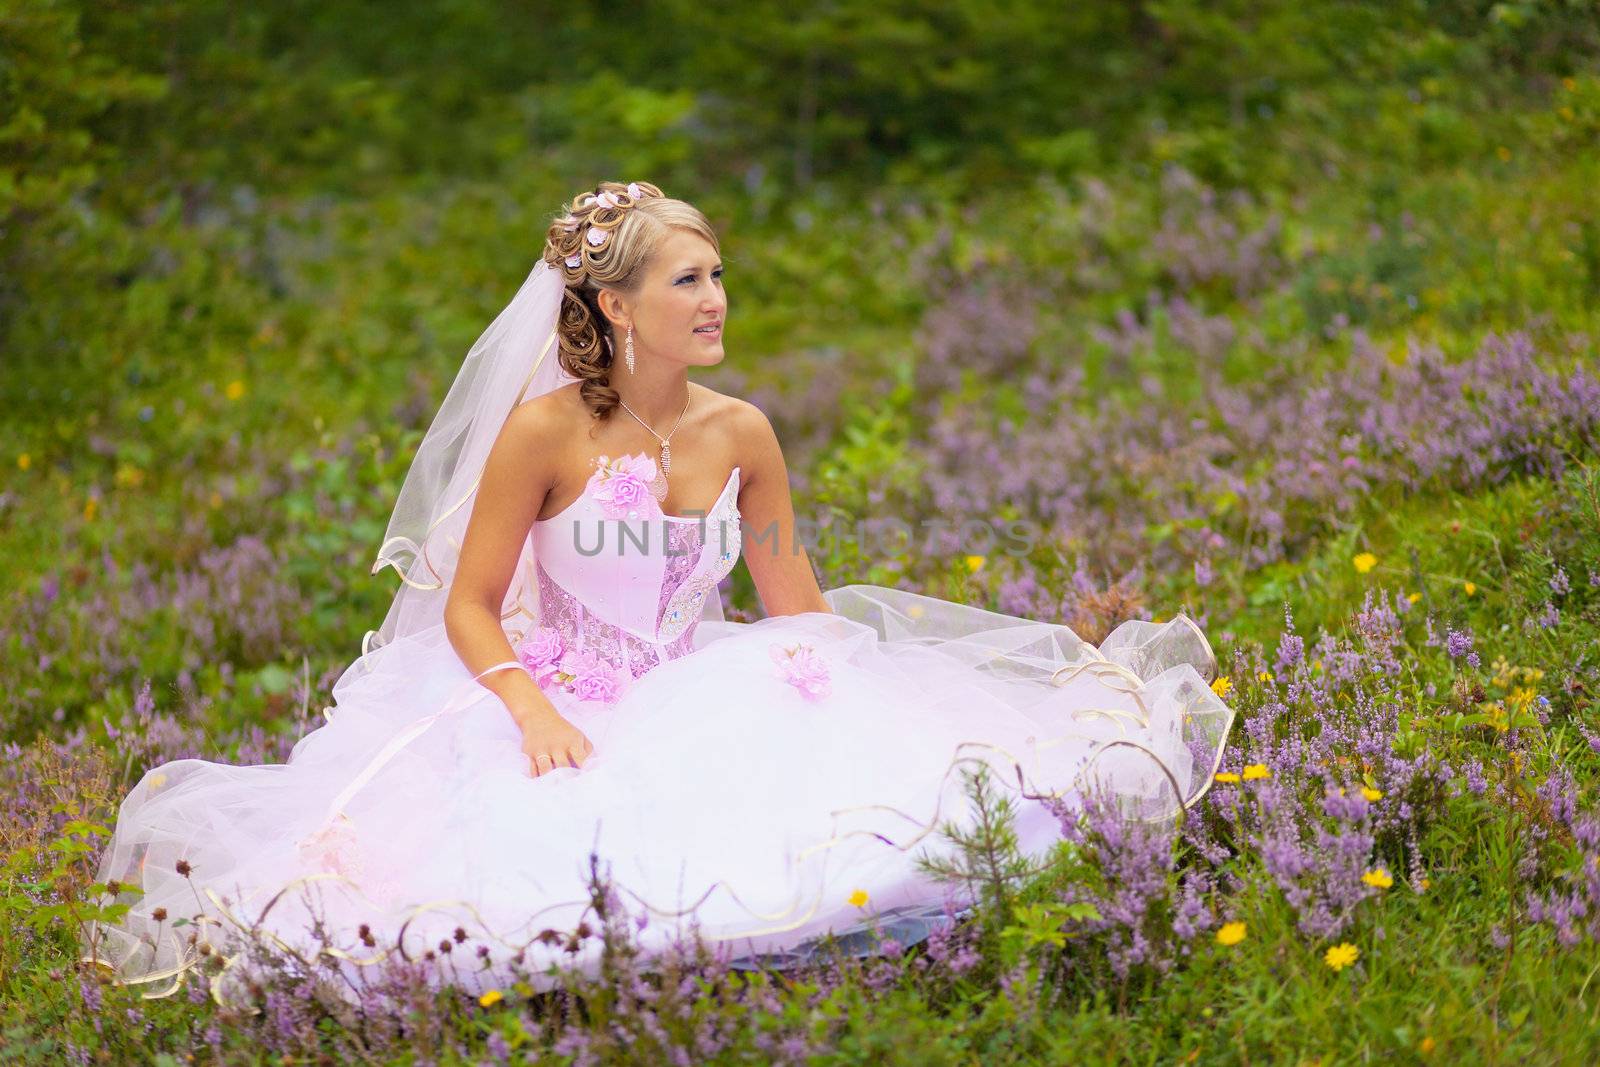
[
  {"x": 539, "y": 653},
  {"x": 541, "y": 647},
  {"x": 588, "y": 677},
  {"x": 333, "y": 848},
  {"x": 602, "y": 686},
  {"x": 624, "y": 485},
  {"x": 801, "y": 667}
]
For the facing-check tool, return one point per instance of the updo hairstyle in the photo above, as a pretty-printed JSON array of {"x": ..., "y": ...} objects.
[{"x": 606, "y": 239}]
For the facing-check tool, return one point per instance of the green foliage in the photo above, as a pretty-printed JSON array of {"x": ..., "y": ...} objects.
[{"x": 983, "y": 858}]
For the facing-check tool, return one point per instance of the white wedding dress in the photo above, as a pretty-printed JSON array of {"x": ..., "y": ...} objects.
[{"x": 769, "y": 781}]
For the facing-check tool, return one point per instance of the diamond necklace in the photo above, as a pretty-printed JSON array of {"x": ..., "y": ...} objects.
[{"x": 666, "y": 446}]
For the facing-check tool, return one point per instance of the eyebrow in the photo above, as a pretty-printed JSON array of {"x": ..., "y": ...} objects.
[{"x": 693, "y": 266}]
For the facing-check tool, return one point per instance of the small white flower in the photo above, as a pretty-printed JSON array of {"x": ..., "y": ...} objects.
[
  {"x": 633, "y": 190},
  {"x": 575, "y": 261},
  {"x": 606, "y": 200},
  {"x": 597, "y": 237}
]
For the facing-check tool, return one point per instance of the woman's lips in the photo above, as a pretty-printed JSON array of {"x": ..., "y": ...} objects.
[{"x": 712, "y": 333}]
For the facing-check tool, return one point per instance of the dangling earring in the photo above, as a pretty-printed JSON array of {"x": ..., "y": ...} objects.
[{"x": 629, "y": 350}]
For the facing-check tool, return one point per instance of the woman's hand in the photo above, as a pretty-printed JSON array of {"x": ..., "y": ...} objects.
[{"x": 550, "y": 741}]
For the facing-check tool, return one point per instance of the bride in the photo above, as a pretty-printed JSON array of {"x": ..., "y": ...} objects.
[{"x": 555, "y": 677}]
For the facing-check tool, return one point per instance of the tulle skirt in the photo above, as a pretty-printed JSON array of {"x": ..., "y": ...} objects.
[{"x": 720, "y": 796}]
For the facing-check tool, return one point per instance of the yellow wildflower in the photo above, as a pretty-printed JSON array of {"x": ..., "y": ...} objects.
[
  {"x": 1425, "y": 883},
  {"x": 1341, "y": 956},
  {"x": 491, "y": 998},
  {"x": 1227, "y": 776},
  {"x": 89, "y": 508},
  {"x": 156, "y": 781},
  {"x": 235, "y": 389},
  {"x": 1568, "y": 84},
  {"x": 1468, "y": 588},
  {"x": 1221, "y": 686},
  {"x": 974, "y": 562},
  {"x": 1264, "y": 677},
  {"x": 1378, "y": 878},
  {"x": 1412, "y": 598},
  {"x": 1496, "y": 714},
  {"x": 1371, "y": 793},
  {"x": 1426, "y": 1045},
  {"x": 24, "y": 461},
  {"x": 1255, "y": 771},
  {"x": 1365, "y": 562},
  {"x": 858, "y": 899},
  {"x": 1230, "y": 934}
]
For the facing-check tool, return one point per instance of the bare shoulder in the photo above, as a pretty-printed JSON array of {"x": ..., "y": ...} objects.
[
  {"x": 749, "y": 437},
  {"x": 548, "y": 419},
  {"x": 746, "y": 429},
  {"x": 736, "y": 417}
]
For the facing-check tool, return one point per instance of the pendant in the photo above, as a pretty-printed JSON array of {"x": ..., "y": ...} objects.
[{"x": 666, "y": 458}]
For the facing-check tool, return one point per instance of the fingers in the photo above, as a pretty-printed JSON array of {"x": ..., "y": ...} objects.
[
  {"x": 573, "y": 754},
  {"x": 543, "y": 762}
]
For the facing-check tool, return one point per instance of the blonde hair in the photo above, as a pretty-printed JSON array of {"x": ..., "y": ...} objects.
[{"x": 635, "y": 229}]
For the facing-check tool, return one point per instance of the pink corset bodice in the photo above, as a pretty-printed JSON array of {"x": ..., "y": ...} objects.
[{"x": 631, "y": 588}]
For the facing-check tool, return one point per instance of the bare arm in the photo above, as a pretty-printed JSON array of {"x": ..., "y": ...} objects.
[
  {"x": 517, "y": 475},
  {"x": 777, "y": 560}
]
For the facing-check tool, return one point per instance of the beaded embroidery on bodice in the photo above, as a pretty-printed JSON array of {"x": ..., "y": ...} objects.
[{"x": 631, "y": 589}]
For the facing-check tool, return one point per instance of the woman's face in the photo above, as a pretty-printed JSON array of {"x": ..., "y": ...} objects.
[{"x": 681, "y": 292}]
